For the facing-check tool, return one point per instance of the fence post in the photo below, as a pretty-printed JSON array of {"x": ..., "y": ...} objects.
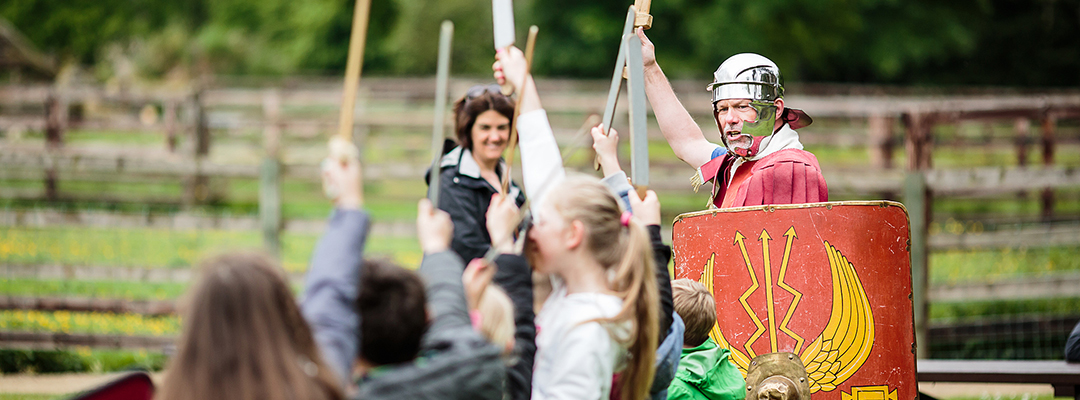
[
  {"x": 1048, "y": 124},
  {"x": 361, "y": 130},
  {"x": 270, "y": 173},
  {"x": 918, "y": 201},
  {"x": 881, "y": 141},
  {"x": 198, "y": 188},
  {"x": 1022, "y": 130},
  {"x": 55, "y": 122},
  {"x": 170, "y": 124}
]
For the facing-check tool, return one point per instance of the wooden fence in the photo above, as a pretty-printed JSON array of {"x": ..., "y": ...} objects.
[{"x": 188, "y": 120}]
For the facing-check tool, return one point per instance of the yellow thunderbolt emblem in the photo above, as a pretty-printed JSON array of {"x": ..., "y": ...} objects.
[
  {"x": 844, "y": 344},
  {"x": 739, "y": 358}
]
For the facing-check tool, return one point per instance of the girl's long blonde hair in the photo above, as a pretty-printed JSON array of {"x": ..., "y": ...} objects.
[{"x": 625, "y": 252}]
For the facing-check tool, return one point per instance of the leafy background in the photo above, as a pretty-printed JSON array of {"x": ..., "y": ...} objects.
[{"x": 921, "y": 42}]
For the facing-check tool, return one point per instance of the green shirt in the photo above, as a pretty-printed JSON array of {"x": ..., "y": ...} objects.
[{"x": 705, "y": 372}]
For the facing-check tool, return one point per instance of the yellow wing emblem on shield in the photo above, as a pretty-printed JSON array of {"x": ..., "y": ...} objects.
[{"x": 845, "y": 343}]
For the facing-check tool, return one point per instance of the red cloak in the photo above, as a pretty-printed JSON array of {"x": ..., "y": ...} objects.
[{"x": 789, "y": 176}]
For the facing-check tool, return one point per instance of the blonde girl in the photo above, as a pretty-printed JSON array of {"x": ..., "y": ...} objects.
[{"x": 601, "y": 317}]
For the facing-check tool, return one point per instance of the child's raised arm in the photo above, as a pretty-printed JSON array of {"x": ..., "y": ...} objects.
[
  {"x": 542, "y": 164},
  {"x": 331, "y": 285}
]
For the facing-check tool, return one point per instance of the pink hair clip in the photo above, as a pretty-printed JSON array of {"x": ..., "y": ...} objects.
[
  {"x": 625, "y": 219},
  {"x": 476, "y": 318}
]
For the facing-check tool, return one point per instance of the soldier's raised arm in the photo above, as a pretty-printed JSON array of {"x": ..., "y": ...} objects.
[{"x": 679, "y": 129}]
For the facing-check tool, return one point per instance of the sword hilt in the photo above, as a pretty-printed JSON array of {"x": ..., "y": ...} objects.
[{"x": 641, "y": 190}]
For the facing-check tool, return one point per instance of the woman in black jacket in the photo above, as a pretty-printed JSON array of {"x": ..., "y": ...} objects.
[{"x": 471, "y": 172}]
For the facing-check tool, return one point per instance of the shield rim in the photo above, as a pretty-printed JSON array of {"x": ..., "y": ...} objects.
[
  {"x": 827, "y": 205},
  {"x": 774, "y": 207}
]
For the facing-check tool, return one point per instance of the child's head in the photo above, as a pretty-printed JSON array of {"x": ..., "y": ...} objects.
[
  {"x": 581, "y": 218},
  {"x": 393, "y": 313},
  {"x": 497, "y": 317},
  {"x": 579, "y": 213},
  {"x": 239, "y": 318},
  {"x": 696, "y": 306}
]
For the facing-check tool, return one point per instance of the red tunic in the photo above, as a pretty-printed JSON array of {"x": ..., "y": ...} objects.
[{"x": 788, "y": 176}]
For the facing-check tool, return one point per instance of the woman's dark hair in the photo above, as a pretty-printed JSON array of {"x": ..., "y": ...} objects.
[
  {"x": 478, "y": 99},
  {"x": 244, "y": 338}
]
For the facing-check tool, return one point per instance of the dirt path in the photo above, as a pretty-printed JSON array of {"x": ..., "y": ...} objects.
[
  {"x": 55, "y": 384},
  {"x": 985, "y": 390}
]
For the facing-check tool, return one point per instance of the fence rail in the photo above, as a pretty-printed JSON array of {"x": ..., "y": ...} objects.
[
  {"x": 404, "y": 105},
  {"x": 50, "y": 341}
]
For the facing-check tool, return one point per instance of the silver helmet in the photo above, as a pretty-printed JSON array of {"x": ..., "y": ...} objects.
[{"x": 752, "y": 76}]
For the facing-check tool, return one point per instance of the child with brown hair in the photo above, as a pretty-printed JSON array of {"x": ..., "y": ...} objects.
[
  {"x": 409, "y": 331},
  {"x": 239, "y": 318},
  {"x": 705, "y": 372}
]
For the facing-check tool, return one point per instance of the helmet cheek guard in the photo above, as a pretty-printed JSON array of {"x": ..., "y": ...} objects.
[{"x": 766, "y": 119}]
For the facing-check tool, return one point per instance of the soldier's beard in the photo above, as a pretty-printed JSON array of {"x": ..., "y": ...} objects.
[
  {"x": 744, "y": 145},
  {"x": 738, "y": 140}
]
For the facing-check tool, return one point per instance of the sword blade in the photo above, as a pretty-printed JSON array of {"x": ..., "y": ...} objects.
[
  {"x": 530, "y": 44},
  {"x": 502, "y": 17},
  {"x": 639, "y": 132},
  {"x": 616, "y": 77},
  {"x": 442, "y": 81}
]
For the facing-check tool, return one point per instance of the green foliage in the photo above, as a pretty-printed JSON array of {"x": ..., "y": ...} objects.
[
  {"x": 414, "y": 41},
  {"x": 81, "y": 360},
  {"x": 80, "y": 29},
  {"x": 14, "y": 361},
  {"x": 883, "y": 41},
  {"x": 809, "y": 39}
]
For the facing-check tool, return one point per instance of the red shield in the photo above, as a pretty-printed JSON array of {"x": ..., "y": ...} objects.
[{"x": 830, "y": 282}]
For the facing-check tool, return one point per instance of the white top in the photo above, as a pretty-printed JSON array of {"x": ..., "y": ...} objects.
[
  {"x": 577, "y": 359},
  {"x": 541, "y": 164}
]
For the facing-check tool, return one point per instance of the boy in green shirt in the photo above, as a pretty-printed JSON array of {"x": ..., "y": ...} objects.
[{"x": 704, "y": 369}]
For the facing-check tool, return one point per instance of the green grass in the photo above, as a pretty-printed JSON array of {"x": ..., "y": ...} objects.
[
  {"x": 948, "y": 312},
  {"x": 142, "y": 138},
  {"x": 1067, "y": 202},
  {"x": 24, "y": 396},
  {"x": 77, "y": 136},
  {"x": 956, "y": 266},
  {"x": 91, "y": 289},
  {"x": 167, "y": 248},
  {"x": 88, "y": 322},
  {"x": 301, "y": 199}
]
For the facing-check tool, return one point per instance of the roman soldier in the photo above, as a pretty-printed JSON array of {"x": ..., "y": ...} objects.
[{"x": 761, "y": 160}]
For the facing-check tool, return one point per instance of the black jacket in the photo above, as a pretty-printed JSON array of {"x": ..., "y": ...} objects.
[
  {"x": 515, "y": 277},
  {"x": 466, "y": 196},
  {"x": 455, "y": 361}
]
